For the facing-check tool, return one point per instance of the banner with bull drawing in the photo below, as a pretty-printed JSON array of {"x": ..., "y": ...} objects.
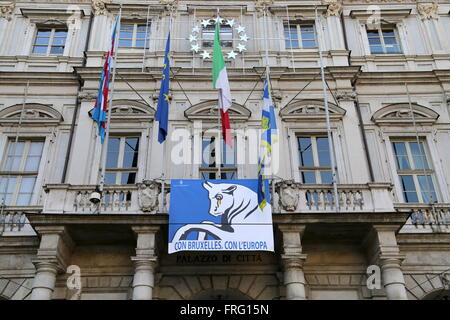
[{"x": 218, "y": 215}]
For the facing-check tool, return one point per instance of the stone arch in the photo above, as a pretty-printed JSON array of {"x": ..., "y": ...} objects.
[
  {"x": 310, "y": 110},
  {"x": 399, "y": 113},
  {"x": 207, "y": 111},
  {"x": 34, "y": 114},
  {"x": 187, "y": 287}
]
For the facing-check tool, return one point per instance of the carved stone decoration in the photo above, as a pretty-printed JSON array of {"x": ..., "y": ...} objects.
[
  {"x": 99, "y": 7},
  {"x": 87, "y": 96},
  {"x": 207, "y": 111},
  {"x": 289, "y": 196},
  {"x": 148, "y": 192},
  {"x": 169, "y": 2},
  {"x": 6, "y": 10},
  {"x": 346, "y": 96},
  {"x": 334, "y": 8},
  {"x": 310, "y": 110},
  {"x": 428, "y": 11},
  {"x": 131, "y": 111},
  {"x": 445, "y": 278},
  {"x": 401, "y": 113},
  {"x": 261, "y": 5},
  {"x": 32, "y": 114}
]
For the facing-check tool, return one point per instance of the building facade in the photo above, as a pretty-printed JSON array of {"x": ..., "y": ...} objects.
[{"x": 387, "y": 66}]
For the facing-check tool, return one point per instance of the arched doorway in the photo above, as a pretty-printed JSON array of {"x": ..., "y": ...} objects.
[{"x": 228, "y": 294}]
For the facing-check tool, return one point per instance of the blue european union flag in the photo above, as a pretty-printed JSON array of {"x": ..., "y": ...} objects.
[{"x": 162, "y": 111}]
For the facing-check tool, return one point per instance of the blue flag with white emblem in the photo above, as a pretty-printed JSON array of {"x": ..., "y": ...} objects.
[
  {"x": 162, "y": 111},
  {"x": 268, "y": 135}
]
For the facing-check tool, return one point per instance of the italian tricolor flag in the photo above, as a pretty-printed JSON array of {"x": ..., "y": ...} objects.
[{"x": 220, "y": 82}]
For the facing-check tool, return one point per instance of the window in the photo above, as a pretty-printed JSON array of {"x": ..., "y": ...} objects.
[
  {"x": 122, "y": 160},
  {"x": 209, "y": 168},
  {"x": 134, "y": 35},
  {"x": 226, "y": 36},
  {"x": 315, "y": 163},
  {"x": 383, "y": 40},
  {"x": 19, "y": 171},
  {"x": 299, "y": 35},
  {"x": 50, "y": 41},
  {"x": 415, "y": 174}
]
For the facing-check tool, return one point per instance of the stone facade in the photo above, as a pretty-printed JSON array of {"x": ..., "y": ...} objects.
[{"x": 375, "y": 53}]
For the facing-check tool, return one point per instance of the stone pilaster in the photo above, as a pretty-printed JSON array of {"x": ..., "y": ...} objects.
[
  {"x": 54, "y": 250},
  {"x": 293, "y": 259},
  {"x": 145, "y": 262},
  {"x": 389, "y": 258}
]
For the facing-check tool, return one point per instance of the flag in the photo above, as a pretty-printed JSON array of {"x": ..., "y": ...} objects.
[
  {"x": 268, "y": 135},
  {"x": 101, "y": 103},
  {"x": 162, "y": 111},
  {"x": 220, "y": 82}
]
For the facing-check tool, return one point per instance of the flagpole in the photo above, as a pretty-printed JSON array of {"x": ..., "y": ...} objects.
[
  {"x": 108, "y": 123},
  {"x": 219, "y": 123},
  {"x": 329, "y": 133},
  {"x": 266, "y": 41},
  {"x": 163, "y": 173}
]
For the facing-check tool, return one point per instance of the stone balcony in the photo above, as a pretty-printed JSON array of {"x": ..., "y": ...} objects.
[
  {"x": 144, "y": 197},
  {"x": 288, "y": 196},
  {"x": 14, "y": 222},
  {"x": 426, "y": 218},
  {"x": 292, "y": 197}
]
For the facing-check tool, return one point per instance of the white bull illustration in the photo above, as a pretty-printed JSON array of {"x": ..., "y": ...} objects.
[{"x": 240, "y": 214}]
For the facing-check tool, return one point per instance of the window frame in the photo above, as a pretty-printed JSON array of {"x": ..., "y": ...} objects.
[
  {"x": 120, "y": 170},
  {"x": 415, "y": 173},
  {"x": 317, "y": 169},
  {"x": 134, "y": 38},
  {"x": 380, "y": 30},
  {"x": 222, "y": 41},
  {"x": 20, "y": 173},
  {"x": 215, "y": 170},
  {"x": 52, "y": 29},
  {"x": 299, "y": 33}
]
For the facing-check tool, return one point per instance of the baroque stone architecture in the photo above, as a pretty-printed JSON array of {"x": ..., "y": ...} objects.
[{"x": 386, "y": 235}]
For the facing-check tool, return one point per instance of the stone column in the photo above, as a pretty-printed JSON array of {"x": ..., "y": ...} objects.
[
  {"x": 53, "y": 252},
  {"x": 145, "y": 262},
  {"x": 45, "y": 279},
  {"x": 389, "y": 259},
  {"x": 293, "y": 259}
]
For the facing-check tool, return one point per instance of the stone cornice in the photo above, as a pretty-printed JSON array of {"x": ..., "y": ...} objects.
[
  {"x": 300, "y": 10},
  {"x": 41, "y": 78},
  {"x": 136, "y": 10},
  {"x": 399, "y": 77},
  {"x": 49, "y": 15},
  {"x": 388, "y": 14},
  {"x": 390, "y": 218}
]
